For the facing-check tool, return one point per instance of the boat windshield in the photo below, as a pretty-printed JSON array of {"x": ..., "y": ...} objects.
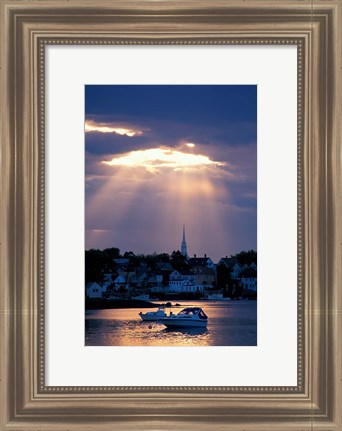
[
  {"x": 202, "y": 315},
  {"x": 193, "y": 312}
]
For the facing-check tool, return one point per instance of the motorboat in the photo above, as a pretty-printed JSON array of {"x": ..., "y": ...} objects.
[
  {"x": 153, "y": 316},
  {"x": 191, "y": 317}
]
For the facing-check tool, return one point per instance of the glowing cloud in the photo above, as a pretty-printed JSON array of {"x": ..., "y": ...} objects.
[
  {"x": 190, "y": 144},
  {"x": 92, "y": 126},
  {"x": 154, "y": 158}
]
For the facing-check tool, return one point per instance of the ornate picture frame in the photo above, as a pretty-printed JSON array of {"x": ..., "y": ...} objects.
[{"x": 27, "y": 27}]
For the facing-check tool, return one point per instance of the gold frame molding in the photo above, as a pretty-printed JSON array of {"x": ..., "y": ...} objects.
[{"x": 27, "y": 27}]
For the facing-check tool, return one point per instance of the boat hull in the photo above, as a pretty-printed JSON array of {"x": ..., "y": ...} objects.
[
  {"x": 186, "y": 323},
  {"x": 151, "y": 318}
]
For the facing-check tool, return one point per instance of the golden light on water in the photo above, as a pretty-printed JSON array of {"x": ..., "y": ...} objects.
[
  {"x": 92, "y": 126},
  {"x": 155, "y": 158},
  {"x": 127, "y": 329}
]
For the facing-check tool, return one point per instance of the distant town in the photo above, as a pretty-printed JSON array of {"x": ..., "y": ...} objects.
[{"x": 110, "y": 275}]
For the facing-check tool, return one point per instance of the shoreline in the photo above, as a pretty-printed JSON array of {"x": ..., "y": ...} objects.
[{"x": 99, "y": 304}]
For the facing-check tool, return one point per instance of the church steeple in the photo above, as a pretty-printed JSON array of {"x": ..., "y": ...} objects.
[{"x": 184, "y": 249}]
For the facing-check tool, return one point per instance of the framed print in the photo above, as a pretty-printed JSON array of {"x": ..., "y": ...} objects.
[{"x": 171, "y": 154}]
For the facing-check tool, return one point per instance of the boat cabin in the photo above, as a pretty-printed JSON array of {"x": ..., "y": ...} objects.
[{"x": 193, "y": 311}]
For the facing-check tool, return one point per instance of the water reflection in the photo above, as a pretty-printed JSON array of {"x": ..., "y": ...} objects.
[
  {"x": 230, "y": 323},
  {"x": 187, "y": 331}
]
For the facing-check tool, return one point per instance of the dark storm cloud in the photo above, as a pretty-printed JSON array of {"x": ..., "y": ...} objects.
[
  {"x": 103, "y": 144},
  {"x": 169, "y": 133}
]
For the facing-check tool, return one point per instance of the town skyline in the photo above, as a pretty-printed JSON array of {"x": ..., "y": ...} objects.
[
  {"x": 183, "y": 250},
  {"x": 158, "y": 157}
]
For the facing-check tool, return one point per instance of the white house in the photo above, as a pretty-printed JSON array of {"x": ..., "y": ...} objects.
[
  {"x": 249, "y": 279},
  {"x": 177, "y": 278},
  {"x": 185, "y": 286},
  {"x": 176, "y": 281},
  {"x": 183, "y": 282},
  {"x": 94, "y": 290}
]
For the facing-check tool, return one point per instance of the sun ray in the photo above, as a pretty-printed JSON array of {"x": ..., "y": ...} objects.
[{"x": 174, "y": 187}]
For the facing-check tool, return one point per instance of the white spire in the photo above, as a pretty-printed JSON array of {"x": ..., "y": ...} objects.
[{"x": 184, "y": 250}]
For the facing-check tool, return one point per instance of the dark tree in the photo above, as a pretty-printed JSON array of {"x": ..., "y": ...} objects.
[
  {"x": 164, "y": 257},
  {"x": 95, "y": 261},
  {"x": 246, "y": 257},
  {"x": 178, "y": 261},
  {"x": 128, "y": 254},
  {"x": 112, "y": 253},
  {"x": 223, "y": 278},
  {"x": 231, "y": 288}
]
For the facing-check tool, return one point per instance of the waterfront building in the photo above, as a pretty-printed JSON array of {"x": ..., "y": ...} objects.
[
  {"x": 183, "y": 281},
  {"x": 164, "y": 267},
  {"x": 94, "y": 290},
  {"x": 205, "y": 276},
  {"x": 249, "y": 279},
  {"x": 201, "y": 262},
  {"x": 181, "y": 275},
  {"x": 123, "y": 280},
  {"x": 139, "y": 277},
  {"x": 186, "y": 286},
  {"x": 233, "y": 265},
  {"x": 155, "y": 278}
]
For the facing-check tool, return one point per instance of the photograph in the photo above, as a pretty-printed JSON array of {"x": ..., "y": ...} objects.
[{"x": 170, "y": 215}]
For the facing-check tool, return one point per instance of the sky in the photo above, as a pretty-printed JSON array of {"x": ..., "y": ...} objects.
[{"x": 160, "y": 156}]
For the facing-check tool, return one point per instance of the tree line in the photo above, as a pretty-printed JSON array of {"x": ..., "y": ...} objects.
[{"x": 98, "y": 262}]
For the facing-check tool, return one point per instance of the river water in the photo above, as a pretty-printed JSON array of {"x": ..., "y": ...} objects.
[{"x": 230, "y": 323}]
